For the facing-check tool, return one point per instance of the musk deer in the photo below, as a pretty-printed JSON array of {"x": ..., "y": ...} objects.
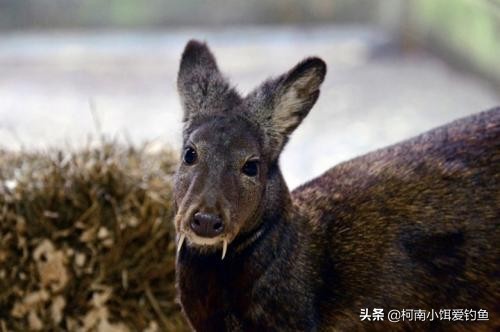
[{"x": 411, "y": 226}]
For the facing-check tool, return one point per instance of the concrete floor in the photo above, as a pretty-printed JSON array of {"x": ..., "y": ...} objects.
[{"x": 373, "y": 95}]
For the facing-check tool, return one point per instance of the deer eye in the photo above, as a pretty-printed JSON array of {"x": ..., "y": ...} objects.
[
  {"x": 190, "y": 156},
  {"x": 251, "y": 168}
]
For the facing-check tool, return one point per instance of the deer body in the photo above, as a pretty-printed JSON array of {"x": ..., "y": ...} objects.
[{"x": 411, "y": 226}]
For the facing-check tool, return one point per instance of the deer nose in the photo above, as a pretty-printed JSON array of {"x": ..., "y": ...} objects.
[{"x": 206, "y": 224}]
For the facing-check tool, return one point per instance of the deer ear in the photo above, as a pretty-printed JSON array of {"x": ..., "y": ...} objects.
[
  {"x": 200, "y": 84},
  {"x": 279, "y": 105},
  {"x": 197, "y": 56}
]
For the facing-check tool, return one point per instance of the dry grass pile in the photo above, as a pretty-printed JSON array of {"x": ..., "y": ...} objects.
[{"x": 86, "y": 241}]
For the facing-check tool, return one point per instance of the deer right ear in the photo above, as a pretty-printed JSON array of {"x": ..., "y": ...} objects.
[
  {"x": 201, "y": 86},
  {"x": 279, "y": 105}
]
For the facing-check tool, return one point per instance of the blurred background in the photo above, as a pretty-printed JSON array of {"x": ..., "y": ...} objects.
[{"x": 71, "y": 70}]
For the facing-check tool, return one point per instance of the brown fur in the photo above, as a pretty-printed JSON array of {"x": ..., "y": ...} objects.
[
  {"x": 411, "y": 226},
  {"x": 414, "y": 225}
]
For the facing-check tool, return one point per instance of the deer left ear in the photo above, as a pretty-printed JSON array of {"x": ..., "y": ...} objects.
[
  {"x": 201, "y": 86},
  {"x": 279, "y": 105}
]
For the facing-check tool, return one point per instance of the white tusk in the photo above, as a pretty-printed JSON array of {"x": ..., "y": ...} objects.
[
  {"x": 224, "y": 248},
  {"x": 181, "y": 241}
]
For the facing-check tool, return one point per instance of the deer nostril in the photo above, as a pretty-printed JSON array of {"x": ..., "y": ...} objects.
[{"x": 207, "y": 224}]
